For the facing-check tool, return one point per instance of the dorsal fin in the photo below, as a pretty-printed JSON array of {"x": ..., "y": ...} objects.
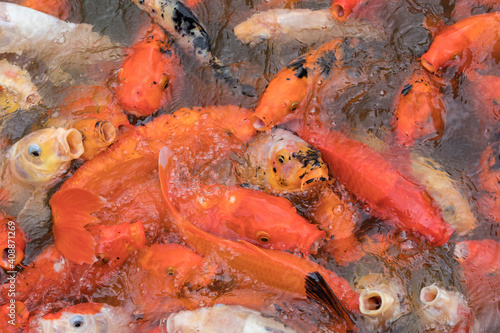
[{"x": 319, "y": 290}]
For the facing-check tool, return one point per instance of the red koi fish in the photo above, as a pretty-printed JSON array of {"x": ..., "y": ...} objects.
[
  {"x": 418, "y": 110},
  {"x": 476, "y": 33},
  {"x": 489, "y": 177},
  {"x": 12, "y": 242},
  {"x": 14, "y": 316},
  {"x": 142, "y": 92},
  {"x": 282, "y": 100},
  {"x": 369, "y": 176},
  {"x": 58, "y": 8},
  {"x": 274, "y": 268},
  {"x": 84, "y": 317},
  {"x": 86, "y": 101},
  {"x": 250, "y": 215},
  {"x": 483, "y": 255}
]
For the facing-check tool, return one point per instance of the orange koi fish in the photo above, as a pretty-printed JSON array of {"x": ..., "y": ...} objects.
[
  {"x": 282, "y": 99},
  {"x": 84, "y": 317},
  {"x": 85, "y": 101},
  {"x": 14, "y": 315},
  {"x": 97, "y": 136},
  {"x": 58, "y": 8},
  {"x": 489, "y": 176},
  {"x": 482, "y": 255},
  {"x": 142, "y": 92},
  {"x": 476, "y": 33},
  {"x": 274, "y": 268},
  {"x": 12, "y": 242},
  {"x": 338, "y": 217},
  {"x": 250, "y": 215},
  {"x": 418, "y": 110},
  {"x": 369, "y": 176}
]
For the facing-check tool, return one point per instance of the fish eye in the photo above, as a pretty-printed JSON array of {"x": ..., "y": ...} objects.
[
  {"x": 281, "y": 159},
  {"x": 77, "y": 321},
  {"x": 34, "y": 150},
  {"x": 282, "y": 155},
  {"x": 294, "y": 106},
  {"x": 263, "y": 237},
  {"x": 171, "y": 270}
]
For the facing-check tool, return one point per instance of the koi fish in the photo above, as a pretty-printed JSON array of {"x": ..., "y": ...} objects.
[
  {"x": 282, "y": 99},
  {"x": 303, "y": 25},
  {"x": 226, "y": 318},
  {"x": 418, "y": 110},
  {"x": 381, "y": 301},
  {"x": 84, "y": 317},
  {"x": 61, "y": 45},
  {"x": 58, "y": 8},
  {"x": 476, "y": 33},
  {"x": 97, "y": 136},
  {"x": 143, "y": 92},
  {"x": 181, "y": 23},
  {"x": 16, "y": 88},
  {"x": 338, "y": 217},
  {"x": 280, "y": 161},
  {"x": 482, "y": 255},
  {"x": 250, "y": 215},
  {"x": 37, "y": 161},
  {"x": 455, "y": 208},
  {"x": 12, "y": 243},
  {"x": 274, "y": 268},
  {"x": 374, "y": 180}
]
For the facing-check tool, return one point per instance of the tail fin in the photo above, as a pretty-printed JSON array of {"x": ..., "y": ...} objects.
[
  {"x": 319, "y": 290},
  {"x": 71, "y": 210}
]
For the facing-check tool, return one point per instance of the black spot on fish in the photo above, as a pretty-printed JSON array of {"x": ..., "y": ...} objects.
[
  {"x": 274, "y": 170},
  {"x": 326, "y": 62},
  {"x": 298, "y": 63},
  {"x": 319, "y": 290},
  {"x": 309, "y": 158},
  {"x": 301, "y": 72},
  {"x": 406, "y": 89}
]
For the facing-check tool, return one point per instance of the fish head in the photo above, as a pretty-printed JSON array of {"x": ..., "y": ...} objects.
[
  {"x": 97, "y": 136},
  {"x": 293, "y": 164},
  {"x": 142, "y": 92},
  {"x": 169, "y": 267},
  {"x": 84, "y": 317},
  {"x": 44, "y": 154},
  {"x": 269, "y": 221},
  {"x": 282, "y": 98}
]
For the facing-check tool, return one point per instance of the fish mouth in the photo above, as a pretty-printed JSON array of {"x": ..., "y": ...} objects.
[
  {"x": 259, "y": 123},
  {"x": 72, "y": 142},
  {"x": 107, "y": 132},
  {"x": 18, "y": 257},
  {"x": 312, "y": 243},
  {"x": 338, "y": 12},
  {"x": 374, "y": 302},
  {"x": 427, "y": 65}
]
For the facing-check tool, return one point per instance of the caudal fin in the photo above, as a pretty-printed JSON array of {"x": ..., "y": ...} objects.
[
  {"x": 319, "y": 290},
  {"x": 71, "y": 210}
]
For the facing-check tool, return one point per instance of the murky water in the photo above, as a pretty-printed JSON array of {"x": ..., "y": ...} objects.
[{"x": 377, "y": 69}]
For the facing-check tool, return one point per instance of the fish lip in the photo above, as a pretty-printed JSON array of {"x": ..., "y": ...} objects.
[
  {"x": 312, "y": 243},
  {"x": 258, "y": 123},
  {"x": 71, "y": 141}
]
